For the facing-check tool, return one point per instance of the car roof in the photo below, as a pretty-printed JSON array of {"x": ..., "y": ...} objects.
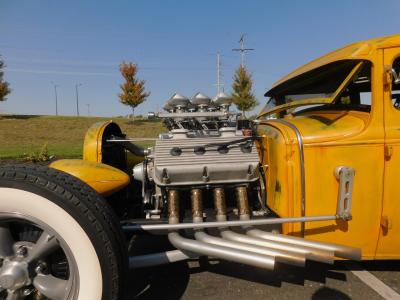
[{"x": 359, "y": 50}]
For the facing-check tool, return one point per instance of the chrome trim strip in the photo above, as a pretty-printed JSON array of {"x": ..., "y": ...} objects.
[{"x": 302, "y": 170}]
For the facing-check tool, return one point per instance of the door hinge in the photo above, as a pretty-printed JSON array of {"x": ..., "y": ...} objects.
[
  {"x": 345, "y": 175},
  {"x": 388, "y": 151}
]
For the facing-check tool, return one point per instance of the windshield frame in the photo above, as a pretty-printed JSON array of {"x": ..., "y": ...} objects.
[{"x": 314, "y": 101}]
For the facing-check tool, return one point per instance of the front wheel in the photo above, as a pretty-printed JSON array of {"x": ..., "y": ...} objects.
[{"x": 58, "y": 238}]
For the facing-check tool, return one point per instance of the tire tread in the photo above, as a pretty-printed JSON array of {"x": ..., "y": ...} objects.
[{"x": 90, "y": 205}]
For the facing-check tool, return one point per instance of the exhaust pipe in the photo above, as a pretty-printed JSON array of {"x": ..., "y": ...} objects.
[
  {"x": 206, "y": 238},
  {"x": 202, "y": 248},
  {"x": 311, "y": 254},
  {"x": 319, "y": 250},
  {"x": 338, "y": 250},
  {"x": 173, "y": 207},
  {"x": 320, "y": 255},
  {"x": 226, "y": 253},
  {"x": 315, "y": 247},
  {"x": 281, "y": 255}
]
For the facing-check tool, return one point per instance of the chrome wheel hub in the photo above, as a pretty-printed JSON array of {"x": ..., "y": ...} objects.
[
  {"x": 14, "y": 275},
  {"x": 25, "y": 265}
]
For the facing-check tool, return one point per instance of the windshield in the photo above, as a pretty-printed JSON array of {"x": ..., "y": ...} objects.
[{"x": 319, "y": 86}]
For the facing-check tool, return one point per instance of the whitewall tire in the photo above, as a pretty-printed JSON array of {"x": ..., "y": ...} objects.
[{"x": 59, "y": 238}]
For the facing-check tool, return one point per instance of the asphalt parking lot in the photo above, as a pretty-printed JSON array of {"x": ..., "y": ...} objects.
[
  {"x": 213, "y": 279},
  {"x": 217, "y": 279}
]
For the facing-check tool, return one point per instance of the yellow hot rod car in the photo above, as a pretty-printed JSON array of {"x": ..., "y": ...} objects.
[{"x": 319, "y": 166}]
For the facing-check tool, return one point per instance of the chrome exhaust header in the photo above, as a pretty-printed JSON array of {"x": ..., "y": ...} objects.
[
  {"x": 311, "y": 254},
  {"x": 256, "y": 248},
  {"x": 318, "y": 251},
  {"x": 276, "y": 255},
  {"x": 281, "y": 255},
  {"x": 319, "y": 255},
  {"x": 203, "y": 248},
  {"x": 206, "y": 238},
  {"x": 337, "y": 250}
]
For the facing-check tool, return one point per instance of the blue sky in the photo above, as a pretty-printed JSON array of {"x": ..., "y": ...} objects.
[{"x": 174, "y": 42}]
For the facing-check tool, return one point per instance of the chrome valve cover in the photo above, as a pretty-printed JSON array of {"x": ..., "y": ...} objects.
[{"x": 186, "y": 161}]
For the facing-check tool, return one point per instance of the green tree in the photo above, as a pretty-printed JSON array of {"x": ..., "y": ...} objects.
[
  {"x": 4, "y": 86},
  {"x": 242, "y": 94},
  {"x": 133, "y": 91}
]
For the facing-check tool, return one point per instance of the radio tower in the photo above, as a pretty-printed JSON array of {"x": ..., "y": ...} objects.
[
  {"x": 219, "y": 75},
  {"x": 242, "y": 49}
]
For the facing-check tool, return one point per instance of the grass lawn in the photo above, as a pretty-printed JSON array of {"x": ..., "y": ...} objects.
[{"x": 21, "y": 135}]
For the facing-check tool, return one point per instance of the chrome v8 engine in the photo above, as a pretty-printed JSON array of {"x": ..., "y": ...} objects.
[{"x": 206, "y": 145}]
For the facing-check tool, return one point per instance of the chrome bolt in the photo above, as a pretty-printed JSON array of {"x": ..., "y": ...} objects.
[
  {"x": 27, "y": 292},
  {"x": 40, "y": 268},
  {"x": 22, "y": 251}
]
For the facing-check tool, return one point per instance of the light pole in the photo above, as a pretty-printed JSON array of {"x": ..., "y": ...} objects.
[
  {"x": 55, "y": 93},
  {"x": 77, "y": 98}
]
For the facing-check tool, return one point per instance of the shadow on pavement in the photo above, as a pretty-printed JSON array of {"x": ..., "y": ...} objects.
[
  {"x": 171, "y": 281},
  {"x": 161, "y": 282},
  {"x": 329, "y": 293},
  {"x": 165, "y": 282},
  {"x": 283, "y": 273}
]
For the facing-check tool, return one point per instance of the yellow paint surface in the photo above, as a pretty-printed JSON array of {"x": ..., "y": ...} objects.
[
  {"x": 341, "y": 138},
  {"x": 105, "y": 179},
  {"x": 93, "y": 142}
]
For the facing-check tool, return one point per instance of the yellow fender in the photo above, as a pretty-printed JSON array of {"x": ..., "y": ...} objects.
[
  {"x": 92, "y": 146},
  {"x": 103, "y": 178},
  {"x": 93, "y": 143}
]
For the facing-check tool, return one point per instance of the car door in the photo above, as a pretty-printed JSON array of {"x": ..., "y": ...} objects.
[{"x": 389, "y": 237}]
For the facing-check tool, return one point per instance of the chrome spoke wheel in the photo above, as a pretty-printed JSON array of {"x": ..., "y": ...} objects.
[
  {"x": 52, "y": 287},
  {"x": 45, "y": 245},
  {"x": 35, "y": 262}
]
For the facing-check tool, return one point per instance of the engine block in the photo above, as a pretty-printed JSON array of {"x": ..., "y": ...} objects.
[
  {"x": 206, "y": 145},
  {"x": 204, "y": 160}
]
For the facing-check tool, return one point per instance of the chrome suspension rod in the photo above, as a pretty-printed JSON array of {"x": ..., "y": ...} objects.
[{"x": 137, "y": 227}]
